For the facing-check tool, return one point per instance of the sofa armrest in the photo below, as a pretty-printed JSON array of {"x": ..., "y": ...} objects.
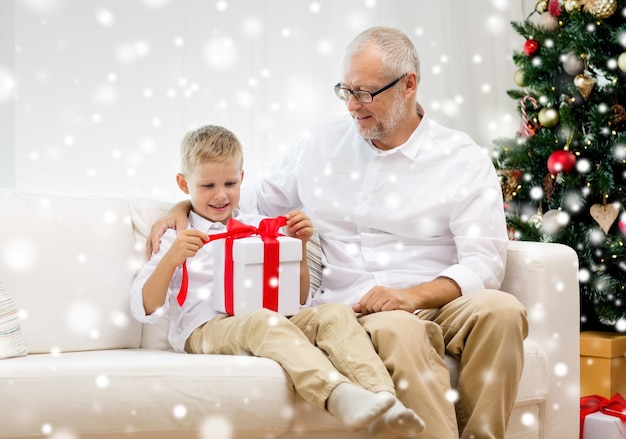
[{"x": 544, "y": 277}]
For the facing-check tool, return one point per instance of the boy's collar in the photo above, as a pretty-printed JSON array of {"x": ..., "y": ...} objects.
[{"x": 200, "y": 223}]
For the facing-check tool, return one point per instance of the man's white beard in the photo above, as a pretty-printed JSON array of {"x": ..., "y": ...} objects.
[{"x": 385, "y": 127}]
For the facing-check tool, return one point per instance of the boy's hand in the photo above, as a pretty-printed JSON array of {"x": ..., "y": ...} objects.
[
  {"x": 299, "y": 225},
  {"x": 175, "y": 218},
  {"x": 186, "y": 245}
]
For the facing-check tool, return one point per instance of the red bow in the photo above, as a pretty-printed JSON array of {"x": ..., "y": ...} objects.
[
  {"x": 268, "y": 231},
  {"x": 615, "y": 406}
]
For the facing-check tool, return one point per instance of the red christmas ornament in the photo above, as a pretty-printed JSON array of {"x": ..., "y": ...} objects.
[
  {"x": 531, "y": 47},
  {"x": 561, "y": 161},
  {"x": 554, "y": 8}
]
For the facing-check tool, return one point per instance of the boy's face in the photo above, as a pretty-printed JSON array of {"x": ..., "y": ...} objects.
[{"x": 214, "y": 189}]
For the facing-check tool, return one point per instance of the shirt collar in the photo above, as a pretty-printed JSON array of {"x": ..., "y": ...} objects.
[
  {"x": 204, "y": 225},
  {"x": 411, "y": 146}
]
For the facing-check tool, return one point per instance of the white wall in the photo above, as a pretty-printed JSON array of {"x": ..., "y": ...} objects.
[
  {"x": 7, "y": 108},
  {"x": 106, "y": 88}
]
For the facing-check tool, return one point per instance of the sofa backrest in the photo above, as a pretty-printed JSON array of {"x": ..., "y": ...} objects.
[{"x": 69, "y": 263}]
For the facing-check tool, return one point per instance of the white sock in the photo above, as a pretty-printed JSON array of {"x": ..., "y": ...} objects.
[
  {"x": 356, "y": 407},
  {"x": 397, "y": 422}
]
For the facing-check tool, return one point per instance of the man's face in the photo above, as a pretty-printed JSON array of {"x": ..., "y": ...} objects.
[{"x": 381, "y": 119}]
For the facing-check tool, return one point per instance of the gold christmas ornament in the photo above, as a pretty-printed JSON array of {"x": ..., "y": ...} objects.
[
  {"x": 601, "y": 9},
  {"x": 518, "y": 78},
  {"x": 621, "y": 61},
  {"x": 604, "y": 215},
  {"x": 536, "y": 219},
  {"x": 548, "y": 117},
  {"x": 541, "y": 6},
  {"x": 571, "y": 5},
  {"x": 584, "y": 84}
]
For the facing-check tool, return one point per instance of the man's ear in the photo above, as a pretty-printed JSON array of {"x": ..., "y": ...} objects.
[
  {"x": 412, "y": 82},
  {"x": 182, "y": 183}
]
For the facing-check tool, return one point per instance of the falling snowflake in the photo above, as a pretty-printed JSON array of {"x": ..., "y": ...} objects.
[
  {"x": 179, "y": 411},
  {"x": 216, "y": 428}
]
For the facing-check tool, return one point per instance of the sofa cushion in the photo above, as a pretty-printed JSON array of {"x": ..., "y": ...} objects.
[
  {"x": 70, "y": 262},
  {"x": 154, "y": 335},
  {"x": 533, "y": 386},
  {"x": 11, "y": 339},
  {"x": 142, "y": 390}
]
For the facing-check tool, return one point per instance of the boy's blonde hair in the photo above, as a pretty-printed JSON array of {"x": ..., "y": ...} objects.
[{"x": 209, "y": 143}]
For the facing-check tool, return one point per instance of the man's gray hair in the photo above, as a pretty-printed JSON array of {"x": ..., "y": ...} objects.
[{"x": 397, "y": 52}]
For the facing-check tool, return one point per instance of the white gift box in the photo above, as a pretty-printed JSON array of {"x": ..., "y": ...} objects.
[
  {"x": 248, "y": 258},
  {"x": 601, "y": 426}
]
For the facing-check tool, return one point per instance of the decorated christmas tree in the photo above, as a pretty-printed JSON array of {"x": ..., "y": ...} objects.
[{"x": 563, "y": 174}]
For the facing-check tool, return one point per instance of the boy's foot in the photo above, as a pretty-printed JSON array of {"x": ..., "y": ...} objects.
[
  {"x": 397, "y": 422},
  {"x": 356, "y": 407}
]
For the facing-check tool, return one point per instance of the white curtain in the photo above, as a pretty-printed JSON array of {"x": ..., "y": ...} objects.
[{"x": 103, "y": 90}]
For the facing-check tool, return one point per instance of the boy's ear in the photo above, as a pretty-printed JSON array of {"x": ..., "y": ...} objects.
[
  {"x": 182, "y": 183},
  {"x": 242, "y": 175}
]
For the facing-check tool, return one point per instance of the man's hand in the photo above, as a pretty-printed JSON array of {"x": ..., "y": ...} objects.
[
  {"x": 385, "y": 299},
  {"x": 433, "y": 294},
  {"x": 175, "y": 218}
]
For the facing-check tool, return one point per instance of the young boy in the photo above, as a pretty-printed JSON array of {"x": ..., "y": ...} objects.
[{"x": 335, "y": 379}]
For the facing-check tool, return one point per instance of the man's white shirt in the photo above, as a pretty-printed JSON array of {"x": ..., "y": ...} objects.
[{"x": 430, "y": 207}]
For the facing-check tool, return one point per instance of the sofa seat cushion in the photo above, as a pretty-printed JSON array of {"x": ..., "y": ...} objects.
[
  {"x": 533, "y": 386},
  {"x": 138, "y": 389}
]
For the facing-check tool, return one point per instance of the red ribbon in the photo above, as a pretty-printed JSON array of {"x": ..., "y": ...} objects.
[
  {"x": 616, "y": 406},
  {"x": 268, "y": 231}
]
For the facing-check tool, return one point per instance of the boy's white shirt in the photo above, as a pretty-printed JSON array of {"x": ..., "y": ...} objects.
[{"x": 198, "y": 306}]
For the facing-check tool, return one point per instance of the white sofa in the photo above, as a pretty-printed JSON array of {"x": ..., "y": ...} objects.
[{"x": 93, "y": 372}]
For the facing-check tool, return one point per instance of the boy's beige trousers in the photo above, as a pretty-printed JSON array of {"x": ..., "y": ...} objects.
[{"x": 319, "y": 348}]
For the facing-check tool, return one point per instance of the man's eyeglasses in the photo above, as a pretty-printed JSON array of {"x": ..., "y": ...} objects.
[{"x": 364, "y": 97}]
